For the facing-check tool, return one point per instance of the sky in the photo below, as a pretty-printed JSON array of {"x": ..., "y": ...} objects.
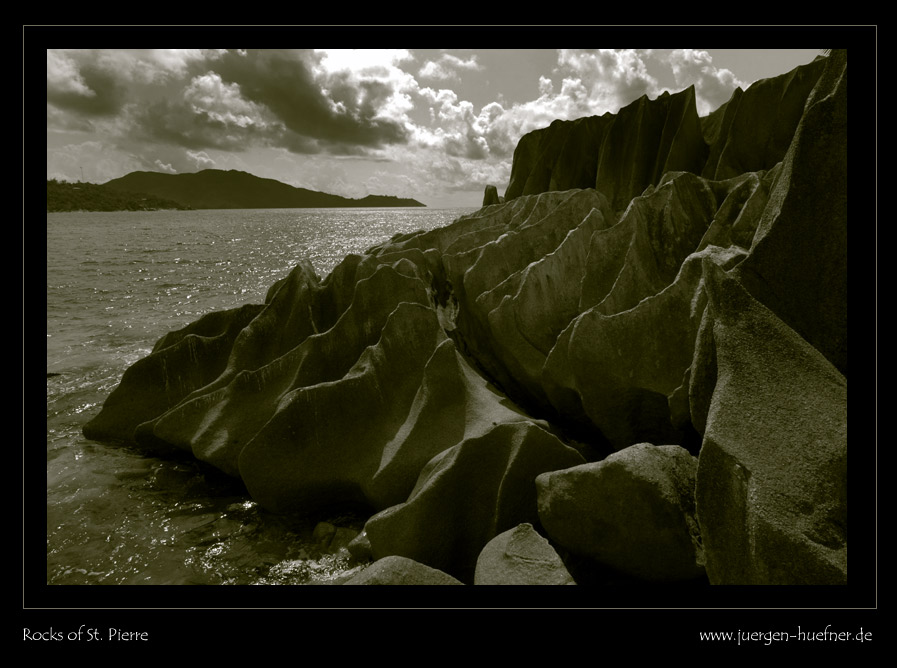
[{"x": 435, "y": 125}]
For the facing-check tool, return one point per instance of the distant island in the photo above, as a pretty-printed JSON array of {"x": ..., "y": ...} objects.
[
  {"x": 208, "y": 189},
  {"x": 62, "y": 196}
]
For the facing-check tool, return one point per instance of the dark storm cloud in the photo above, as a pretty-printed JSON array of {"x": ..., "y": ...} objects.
[
  {"x": 174, "y": 122},
  {"x": 220, "y": 99},
  {"x": 99, "y": 94},
  {"x": 334, "y": 111},
  {"x": 470, "y": 146}
]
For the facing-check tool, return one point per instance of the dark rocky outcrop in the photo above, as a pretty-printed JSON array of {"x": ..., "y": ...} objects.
[
  {"x": 467, "y": 495},
  {"x": 772, "y": 476},
  {"x": 618, "y": 154},
  {"x": 560, "y": 157},
  {"x": 758, "y": 124},
  {"x": 651, "y": 277},
  {"x": 622, "y": 154},
  {"x": 181, "y": 362},
  {"x": 633, "y": 511},
  {"x": 769, "y": 389},
  {"x": 491, "y": 197},
  {"x": 798, "y": 260}
]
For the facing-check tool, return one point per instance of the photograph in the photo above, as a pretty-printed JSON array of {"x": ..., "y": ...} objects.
[{"x": 501, "y": 314}]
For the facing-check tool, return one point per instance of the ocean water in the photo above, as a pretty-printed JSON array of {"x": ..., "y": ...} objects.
[{"x": 116, "y": 282}]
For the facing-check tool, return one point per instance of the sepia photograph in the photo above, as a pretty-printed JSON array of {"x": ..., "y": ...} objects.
[{"x": 470, "y": 316}]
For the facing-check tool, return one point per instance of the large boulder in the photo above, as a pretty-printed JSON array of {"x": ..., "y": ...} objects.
[
  {"x": 768, "y": 388},
  {"x": 771, "y": 488},
  {"x": 469, "y": 494},
  {"x": 490, "y": 196},
  {"x": 401, "y": 571},
  {"x": 520, "y": 556},
  {"x": 180, "y": 363},
  {"x": 633, "y": 511}
]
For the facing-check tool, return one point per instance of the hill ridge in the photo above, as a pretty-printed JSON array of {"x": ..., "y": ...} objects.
[{"x": 235, "y": 189}]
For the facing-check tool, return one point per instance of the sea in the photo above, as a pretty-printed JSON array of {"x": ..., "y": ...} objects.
[{"x": 116, "y": 283}]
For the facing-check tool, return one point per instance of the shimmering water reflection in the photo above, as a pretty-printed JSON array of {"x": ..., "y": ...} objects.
[{"x": 116, "y": 282}]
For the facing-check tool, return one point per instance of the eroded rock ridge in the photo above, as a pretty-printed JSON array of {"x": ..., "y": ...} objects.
[{"x": 653, "y": 324}]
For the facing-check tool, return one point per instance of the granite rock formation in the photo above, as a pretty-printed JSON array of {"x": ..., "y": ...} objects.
[
  {"x": 395, "y": 570},
  {"x": 633, "y": 511},
  {"x": 652, "y": 277},
  {"x": 621, "y": 154},
  {"x": 771, "y": 488},
  {"x": 520, "y": 556},
  {"x": 490, "y": 196},
  {"x": 618, "y": 154}
]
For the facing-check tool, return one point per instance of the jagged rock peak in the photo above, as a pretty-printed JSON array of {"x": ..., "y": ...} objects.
[
  {"x": 621, "y": 154},
  {"x": 491, "y": 197}
]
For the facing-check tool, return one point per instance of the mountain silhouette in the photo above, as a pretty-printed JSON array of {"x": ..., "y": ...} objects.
[{"x": 232, "y": 189}]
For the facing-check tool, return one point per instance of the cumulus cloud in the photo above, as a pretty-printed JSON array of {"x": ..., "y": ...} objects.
[
  {"x": 381, "y": 63},
  {"x": 493, "y": 131},
  {"x": 385, "y": 183},
  {"x": 612, "y": 78},
  {"x": 148, "y": 66},
  {"x": 455, "y": 174},
  {"x": 713, "y": 86},
  {"x": 63, "y": 76},
  {"x": 162, "y": 64},
  {"x": 200, "y": 159},
  {"x": 459, "y": 129},
  {"x": 209, "y": 96},
  {"x": 584, "y": 83},
  {"x": 448, "y": 66},
  {"x": 178, "y": 122}
]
